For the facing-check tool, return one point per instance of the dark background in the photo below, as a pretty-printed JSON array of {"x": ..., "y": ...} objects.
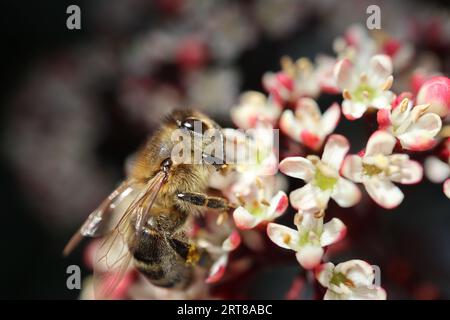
[{"x": 416, "y": 236}]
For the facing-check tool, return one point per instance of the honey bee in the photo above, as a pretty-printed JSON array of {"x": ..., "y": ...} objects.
[{"x": 151, "y": 232}]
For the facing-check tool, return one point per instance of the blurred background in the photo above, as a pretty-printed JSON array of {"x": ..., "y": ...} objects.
[{"x": 76, "y": 103}]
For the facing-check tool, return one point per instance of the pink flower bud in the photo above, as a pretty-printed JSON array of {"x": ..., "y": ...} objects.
[{"x": 436, "y": 91}]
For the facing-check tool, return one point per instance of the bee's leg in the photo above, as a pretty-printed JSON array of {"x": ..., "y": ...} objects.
[
  {"x": 203, "y": 200},
  {"x": 191, "y": 254}
]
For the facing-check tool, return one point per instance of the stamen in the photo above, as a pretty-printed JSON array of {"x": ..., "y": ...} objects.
[
  {"x": 265, "y": 202},
  {"x": 286, "y": 238},
  {"x": 349, "y": 283},
  {"x": 298, "y": 218},
  {"x": 404, "y": 104},
  {"x": 365, "y": 94},
  {"x": 259, "y": 183},
  {"x": 287, "y": 65},
  {"x": 364, "y": 77},
  {"x": 304, "y": 64},
  {"x": 319, "y": 214},
  {"x": 346, "y": 94},
  {"x": 241, "y": 200},
  {"x": 313, "y": 158},
  {"x": 388, "y": 84}
]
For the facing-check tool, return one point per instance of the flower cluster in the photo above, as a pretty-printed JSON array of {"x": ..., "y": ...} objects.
[
  {"x": 364, "y": 71},
  {"x": 407, "y": 122}
]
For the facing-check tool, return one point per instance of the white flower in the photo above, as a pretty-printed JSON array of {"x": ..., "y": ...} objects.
[
  {"x": 350, "y": 280},
  {"x": 378, "y": 168},
  {"x": 217, "y": 270},
  {"x": 296, "y": 80},
  {"x": 259, "y": 209},
  {"x": 308, "y": 125},
  {"x": 322, "y": 179},
  {"x": 414, "y": 128},
  {"x": 254, "y": 107},
  {"x": 252, "y": 152},
  {"x": 364, "y": 88},
  {"x": 359, "y": 46},
  {"x": 309, "y": 238}
]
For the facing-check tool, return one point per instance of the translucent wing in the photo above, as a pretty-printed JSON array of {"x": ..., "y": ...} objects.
[
  {"x": 99, "y": 221},
  {"x": 116, "y": 251}
]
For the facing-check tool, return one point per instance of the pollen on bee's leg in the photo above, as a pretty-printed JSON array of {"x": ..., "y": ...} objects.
[{"x": 193, "y": 255}]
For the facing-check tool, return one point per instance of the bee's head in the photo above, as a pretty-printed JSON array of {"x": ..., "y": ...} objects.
[{"x": 198, "y": 138}]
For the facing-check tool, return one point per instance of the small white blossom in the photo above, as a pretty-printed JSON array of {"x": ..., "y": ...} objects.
[
  {"x": 253, "y": 108},
  {"x": 308, "y": 125},
  {"x": 322, "y": 178},
  {"x": 350, "y": 280},
  {"x": 309, "y": 238},
  {"x": 258, "y": 209},
  {"x": 378, "y": 168},
  {"x": 364, "y": 88},
  {"x": 411, "y": 125}
]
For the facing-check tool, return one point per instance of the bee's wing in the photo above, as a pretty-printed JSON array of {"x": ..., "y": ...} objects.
[
  {"x": 99, "y": 221},
  {"x": 117, "y": 249}
]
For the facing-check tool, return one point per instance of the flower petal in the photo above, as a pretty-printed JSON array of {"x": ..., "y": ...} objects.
[
  {"x": 217, "y": 269},
  {"x": 383, "y": 100},
  {"x": 333, "y": 231},
  {"x": 346, "y": 193},
  {"x": 446, "y": 188},
  {"x": 309, "y": 199},
  {"x": 384, "y": 118},
  {"x": 324, "y": 273},
  {"x": 330, "y": 119},
  {"x": 232, "y": 242},
  {"x": 343, "y": 73},
  {"x": 436, "y": 170},
  {"x": 290, "y": 126},
  {"x": 367, "y": 293},
  {"x": 358, "y": 271},
  {"x": 419, "y": 136},
  {"x": 331, "y": 295},
  {"x": 282, "y": 236},
  {"x": 307, "y": 107},
  {"x": 380, "y": 142},
  {"x": 244, "y": 219},
  {"x": 384, "y": 193},
  {"x": 380, "y": 67},
  {"x": 410, "y": 172},
  {"x": 436, "y": 91},
  {"x": 353, "y": 110},
  {"x": 297, "y": 167},
  {"x": 352, "y": 168},
  {"x": 335, "y": 150},
  {"x": 278, "y": 205},
  {"x": 309, "y": 256}
]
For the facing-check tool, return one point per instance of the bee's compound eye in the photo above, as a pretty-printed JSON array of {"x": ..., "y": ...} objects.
[
  {"x": 194, "y": 125},
  {"x": 166, "y": 164}
]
